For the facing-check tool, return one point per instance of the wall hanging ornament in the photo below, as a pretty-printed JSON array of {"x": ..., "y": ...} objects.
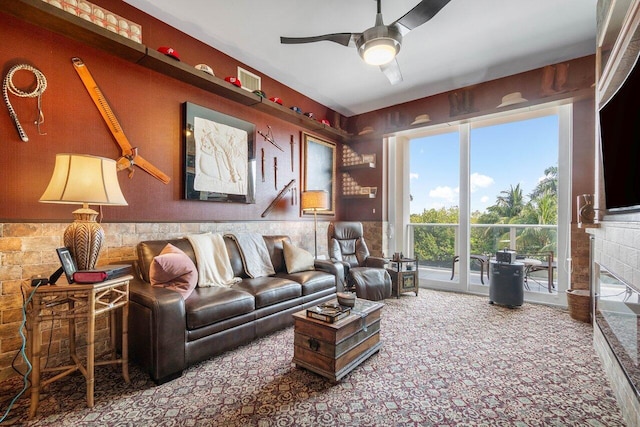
[
  {"x": 586, "y": 211},
  {"x": 130, "y": 155},
  {"x": 269, "y": 138},
  {"x": 9, "y": 87},
  {"x": 289, "y": 187}
]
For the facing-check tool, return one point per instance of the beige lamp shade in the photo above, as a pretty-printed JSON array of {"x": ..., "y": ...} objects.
[
  {"x": 83, "y": 179},
  {"x": 314, "y": 200}
]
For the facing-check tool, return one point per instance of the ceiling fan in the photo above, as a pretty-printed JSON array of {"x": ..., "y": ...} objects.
[{"x": 380, "y": 44}]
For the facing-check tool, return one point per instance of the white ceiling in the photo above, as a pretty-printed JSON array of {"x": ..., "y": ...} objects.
[{"x": 467, "y": 42}]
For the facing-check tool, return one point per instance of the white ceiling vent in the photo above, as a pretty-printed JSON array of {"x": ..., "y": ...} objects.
[{"x": 249, "y": 80}]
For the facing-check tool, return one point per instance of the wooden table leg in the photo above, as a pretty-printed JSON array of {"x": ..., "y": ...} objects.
[
  {"x": 72, "y": 332},
  {"x": 112, "y": 333},
  {"x": 36, "y": 342},
  {"x": 125, "y": 343},
  {"x": 91, "y": 335}
]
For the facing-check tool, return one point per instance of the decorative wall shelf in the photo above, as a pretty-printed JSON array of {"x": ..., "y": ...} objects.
[
  {"x": 585, "y": 225},
  {"x": 360, "y": 196},
  {"x": 369, "y": 165},
  {"x": 352, "y": 161},
  {"x": 351, "y": 188},
  {"x": 49, "y": 17}
]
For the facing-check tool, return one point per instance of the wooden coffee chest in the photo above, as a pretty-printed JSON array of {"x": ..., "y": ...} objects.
[{"x": 335, "y": 349}]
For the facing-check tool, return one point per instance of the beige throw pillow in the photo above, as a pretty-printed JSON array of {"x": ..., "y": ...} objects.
[{"x": 297, "y": 259}]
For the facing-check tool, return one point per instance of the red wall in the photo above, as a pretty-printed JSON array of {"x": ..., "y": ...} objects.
[
  {"x": 484, "y": 100},
  {"x": 148, "y": 106}
]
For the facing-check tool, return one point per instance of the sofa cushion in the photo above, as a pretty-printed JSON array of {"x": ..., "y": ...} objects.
[
  {"x": 148, "y": 249},
  {"x": 270, "y": 290},
  {"x": 174, "y": 270},
  {"x": 312, "y": 281},
  {"x": 274, "y": 245},
  {"x": 297, "y": 259},
  {"x": 214, "y": 304}
]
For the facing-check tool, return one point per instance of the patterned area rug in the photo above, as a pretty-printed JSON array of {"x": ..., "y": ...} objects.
[{"x": 447, "y": 360}]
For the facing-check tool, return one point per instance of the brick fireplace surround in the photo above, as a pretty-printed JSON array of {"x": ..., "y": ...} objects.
[{"x": 617, "y": 246}]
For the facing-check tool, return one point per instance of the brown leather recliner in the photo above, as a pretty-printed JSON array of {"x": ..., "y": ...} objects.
[{"x": 364, "y": 273}]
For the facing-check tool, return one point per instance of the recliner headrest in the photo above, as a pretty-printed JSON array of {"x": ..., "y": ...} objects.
[{"x": 347, "y": 230}]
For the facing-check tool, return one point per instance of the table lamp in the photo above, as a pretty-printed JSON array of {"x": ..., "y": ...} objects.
[
  {"x": 83, "y": 179},
  {"x": 315, "y": 200}
]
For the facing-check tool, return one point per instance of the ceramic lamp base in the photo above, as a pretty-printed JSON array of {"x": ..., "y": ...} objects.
[{"x": 84, "y": 238}]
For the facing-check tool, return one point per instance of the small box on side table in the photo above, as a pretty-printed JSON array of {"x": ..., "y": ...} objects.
[
  {"x": 404, "y": 276},
  {"x": 335, "y": 349}
]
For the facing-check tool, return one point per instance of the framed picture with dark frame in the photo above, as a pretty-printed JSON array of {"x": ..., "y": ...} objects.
[
  {"x": 219, "y": 156},
  {"x": 319, "y": 169},
  {"x": 68, "y": 265}
]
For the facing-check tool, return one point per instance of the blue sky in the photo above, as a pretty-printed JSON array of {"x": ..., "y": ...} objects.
[{"x": 501, "y": 155}]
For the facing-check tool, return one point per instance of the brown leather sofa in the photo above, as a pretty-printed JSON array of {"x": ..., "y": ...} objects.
[{"x": 167, "y": 334}]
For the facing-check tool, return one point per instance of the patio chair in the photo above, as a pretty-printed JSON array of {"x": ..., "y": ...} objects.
[
  {"x": 545, "y": 262},
  {"x": 483, "y": 260}
]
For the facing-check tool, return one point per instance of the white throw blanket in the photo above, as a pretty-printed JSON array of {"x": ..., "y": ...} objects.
[
  {"x": 255, "y": 255},
  {"x": 214, "y": 267}
]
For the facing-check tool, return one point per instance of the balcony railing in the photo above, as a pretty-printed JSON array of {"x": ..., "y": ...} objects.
[{"x": 435, "y": 245}]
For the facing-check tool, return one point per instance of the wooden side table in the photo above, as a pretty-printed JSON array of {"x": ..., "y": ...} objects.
[
  {"x": 404, "y": 276},
  {"x": 77, "y": 301}
]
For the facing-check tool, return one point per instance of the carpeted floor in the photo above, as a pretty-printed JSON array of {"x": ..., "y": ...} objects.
[{"x": 447, "y": 360}]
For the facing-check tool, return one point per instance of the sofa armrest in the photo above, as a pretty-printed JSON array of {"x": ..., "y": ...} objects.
[
  {"x": 157, "y": 330},
  {"x": 335, "y": 268},
  {"x": 376, "y": 262}
]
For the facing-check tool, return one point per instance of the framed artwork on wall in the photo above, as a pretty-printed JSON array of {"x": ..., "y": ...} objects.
[
  {"x": 219, "y": 156},
  {"x": 319, "y": 169}
]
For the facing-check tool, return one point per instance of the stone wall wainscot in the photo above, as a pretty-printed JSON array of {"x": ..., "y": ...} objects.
[{"x": 27, "y": 250}]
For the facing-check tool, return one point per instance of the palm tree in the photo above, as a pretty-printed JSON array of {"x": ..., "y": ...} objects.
[
  {"x": 548, "y": 184},
  {"x": 543, "y": 210},
  {"x": 509, "y": 204}
]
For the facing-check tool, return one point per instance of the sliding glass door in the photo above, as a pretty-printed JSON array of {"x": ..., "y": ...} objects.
[
  {"x": 435, "y": 202},
  {"x": 489, "y": 185},
  {"x": 514, "y": 193}
]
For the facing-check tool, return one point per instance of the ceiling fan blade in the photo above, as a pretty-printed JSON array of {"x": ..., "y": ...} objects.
[
  {"x": 424, "y": 11},
  {"x": 392, "y": 71},
  {"x": 341, "y": 38}
]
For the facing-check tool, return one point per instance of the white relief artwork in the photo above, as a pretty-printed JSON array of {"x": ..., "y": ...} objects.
[{"x": 221, "y": 158}]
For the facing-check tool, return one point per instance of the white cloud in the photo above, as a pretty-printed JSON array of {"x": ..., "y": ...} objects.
[
  {"x": 413, "y": 176},
  {"x": 480, "y": 181},
  {"x": 484, "y": 199},
  {"x": 543, "y": 177},
  {"x": 446, "y": 193}
]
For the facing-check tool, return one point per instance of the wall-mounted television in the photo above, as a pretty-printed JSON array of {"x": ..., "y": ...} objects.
[{"x": 620, "y": 143}]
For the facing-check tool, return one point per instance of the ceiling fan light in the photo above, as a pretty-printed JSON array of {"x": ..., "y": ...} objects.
[{"x": 380, "y": 51}]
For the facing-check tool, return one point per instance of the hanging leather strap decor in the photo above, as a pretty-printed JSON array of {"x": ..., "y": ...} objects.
[
  {"x": 9, "y": 87},
  {"x": 130, "y": 155}
]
